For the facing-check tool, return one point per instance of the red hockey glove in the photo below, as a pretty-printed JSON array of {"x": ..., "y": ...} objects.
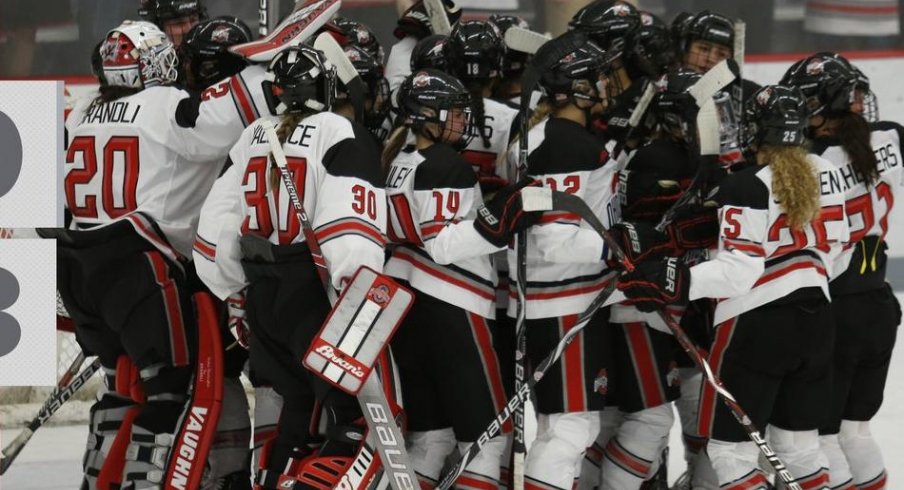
[
  {"x": 238, "y": 325},
  {"x": 641, "y": 241},
  {"x": 694, "y": 227},
  {"x": 502, "y": 216},
  {"x": 652, "y": 285}
]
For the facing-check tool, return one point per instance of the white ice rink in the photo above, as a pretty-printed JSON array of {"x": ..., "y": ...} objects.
[{"x": 52, "y": 459}]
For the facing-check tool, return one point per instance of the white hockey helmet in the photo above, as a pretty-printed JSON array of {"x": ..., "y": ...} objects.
[{"x": 138, "y": 54}]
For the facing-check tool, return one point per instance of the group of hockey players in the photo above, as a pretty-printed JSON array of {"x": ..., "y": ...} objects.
[{"x": 755, "y": 217}]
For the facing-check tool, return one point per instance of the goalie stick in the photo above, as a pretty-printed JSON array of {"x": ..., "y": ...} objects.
[
  {"x": 346, "y": 71},
  {"x": 436, "y": 12},
  {"x": 524, "y": 40},
  {"x": 390, "y": 444},
  {"x": 302, "y": 23},
  {"x": 67, "y": 386},
  {"x": 640, "y": 110}
]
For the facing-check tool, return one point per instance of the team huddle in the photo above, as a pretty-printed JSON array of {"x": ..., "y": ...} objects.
[{"x": 611, "y": 223}]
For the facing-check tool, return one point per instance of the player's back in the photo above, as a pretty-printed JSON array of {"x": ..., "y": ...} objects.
[{"x": 141, "y": 157}]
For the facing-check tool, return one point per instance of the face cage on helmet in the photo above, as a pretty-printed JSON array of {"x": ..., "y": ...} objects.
[
  {"x": 157, "y": 65},
  {"x": 419, "y": 121}
]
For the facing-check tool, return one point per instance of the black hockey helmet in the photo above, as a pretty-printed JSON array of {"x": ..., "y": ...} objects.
[
  {"x": 775, "y": 115},
  {"x": 159, "y": 11},
  {"x": 372, "y": 74},
  {"x": 430, "y": 52},
  {"x": 650, "y": 51},
  {"x": 204, "y": 52},
  {"x": 708, "y": 26},
  {"x": 475, "y": 51},
  {"x": 827, "y": 80},
  {"x": 429, "y": 96},
  {"x": 575, "y": 75},
  {"x": 349, "y": 32},
  {"x": 300, "y": 80},
  {"x": 607, "y": 23},
  {"x": 513, "y": 62},
  {"x": 674, "y": 108},
  {"x": 415, "y": 21}
]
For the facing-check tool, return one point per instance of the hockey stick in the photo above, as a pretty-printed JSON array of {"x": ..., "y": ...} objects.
[
  {"x": 302, "y": 23},
  {"x": 439, "y": 22},
  {"x": 571, "y": 203},
  {"x": 263, "y": 17},
  {"x": 67, "y": 386},
  {"x": 390, "y": 444},
  {"x": 640, "y": 110},
  {"x": 346, "y": 71},
  {"x": 524, "y": 40}
]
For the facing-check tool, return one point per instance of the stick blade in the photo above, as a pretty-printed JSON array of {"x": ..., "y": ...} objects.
[
  {"x": 300, "y": 25},
  {"x": 524, "y": 40},
  {"x": 439, "y": 22}
]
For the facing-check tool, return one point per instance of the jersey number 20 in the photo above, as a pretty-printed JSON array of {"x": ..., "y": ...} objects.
[{"x": 112, "y": 192}]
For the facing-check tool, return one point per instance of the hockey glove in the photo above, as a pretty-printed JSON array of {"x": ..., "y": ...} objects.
[
  {"x": 694, "y": 227},
  {"x": 653, "y": 285},
  {"x": 641, "y": 241},
  {"x": 502, "y": 216},
  {"x": 238, "y": 325},
  {"x": 648, "y": 197}
]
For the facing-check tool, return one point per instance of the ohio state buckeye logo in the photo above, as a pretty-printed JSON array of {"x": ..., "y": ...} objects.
[
  {"x": 379, "y": 294},
  {"x": 763, "y": 97}
]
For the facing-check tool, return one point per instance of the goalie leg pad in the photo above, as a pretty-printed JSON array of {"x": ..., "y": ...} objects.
[
  {"x": 108, "y": 416},
  {"x": 267, "y": 406},
  {"x": 229, "y": 452}
]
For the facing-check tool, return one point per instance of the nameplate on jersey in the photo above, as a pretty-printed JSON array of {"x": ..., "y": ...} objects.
[{"x": 358, "y": 328}]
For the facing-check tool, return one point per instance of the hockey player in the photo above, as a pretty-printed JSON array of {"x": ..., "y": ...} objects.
[
  {"x": 565, "y": 264},
  {"x": 412, "y": 26},
  {"x": 336, "y": 169},
  {"x": 475, "y": 51},
  {"x": 870, "y": 161},
  {"x": 204, "y": 53},
  {"x": 174, "y": 17},
  {"x": 357, "y": 34},
  {"x": 444, "y": 238},
  {"x": 430, "y": 52},
  {"x": 782, "y": 223},
  {"x": 513, "y": 62},
  {"x": 121, "y": 268}
]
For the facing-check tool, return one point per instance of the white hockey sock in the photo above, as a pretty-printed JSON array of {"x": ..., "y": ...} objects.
[
  {"x": 687, "y": 406},
  {"x": 559, "y": 449},
  {"x": 592, "y": 463},
  {"x": 633, "y": 454},
  {"x": 800, "y": 452},
  {"x": 267, "y": 406},
  {"x": 736, "y": 465},
  {"x": 428, "y": 451},
  {"x": 863, "y": 454},
  {"x": 483, "y": 471},
  {"x": 229, "y": 452},
  {"x": 839, "y": 472}
]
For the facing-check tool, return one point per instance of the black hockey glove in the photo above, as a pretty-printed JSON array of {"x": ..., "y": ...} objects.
[
  {"x": 655, "y": 284},
  {"x": 502, "y": 216},
  {"x": 647, "y": 197},
  {"x": 640, "y": 241},
  {"x": 693, "y": 227}
]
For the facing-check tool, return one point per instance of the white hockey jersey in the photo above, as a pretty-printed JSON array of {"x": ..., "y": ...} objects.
[
  {"x": 565, "y": 257},
  {"x": 433, "y": 199},
  {"x": 760, "y": 258},
  {"x": 337, "y": 171},
  {"x": 149, "y": 158},
  {"x": 867, "y": 206},
  {"x": 490, "y": 161},
  {"x": 398, "y": 63}
]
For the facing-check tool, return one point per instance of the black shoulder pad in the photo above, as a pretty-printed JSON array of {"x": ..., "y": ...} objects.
[
  {"x": 443, "y": 167},
  {"x": 355, "y": 157},
  {"x": 664, "y": 159},
  {"x": 187, "y": 110},
  {"x": 744, "y": 189},
  {"x": 567, "y": 147},
  {"x": 889, "y": 126}
]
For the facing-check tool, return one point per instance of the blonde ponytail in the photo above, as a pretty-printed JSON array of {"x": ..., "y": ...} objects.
[
  {"x": 285, "y": 129},
  {"x": 794, "y": 182},
  {"x": 394, "y": 145}
]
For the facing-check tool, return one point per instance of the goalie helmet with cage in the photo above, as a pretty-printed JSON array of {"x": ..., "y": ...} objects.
[
  {"x": 829, "y": 82},
  {"x": 578, "y": 75},
  {"x": 513, "y": 61},
  {"x": 205, "y": 55},
  {"x": 299, "y": 80},
  {"x": 137, "y": 54},
  {"x": 475, "y": 50},
  {"x": 775, "y": 115},
  {"x": 430, "y": 96},
  {"x": 607, "y": 23},
  {"x": 675, "y": 110}
]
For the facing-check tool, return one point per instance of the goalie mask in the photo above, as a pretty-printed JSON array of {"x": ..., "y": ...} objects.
[
  {"x": 430, "y": 96},
  {"x": 775, "y": 115},
  {"x": 829, "y": 83},
  {"x": 299, "y": 80},
  {"x": 205, "y": 54},
  {"x": 138, "y": 54},
  {"x": 513, "y": 62},
  {"x": 475, "y": 51}
]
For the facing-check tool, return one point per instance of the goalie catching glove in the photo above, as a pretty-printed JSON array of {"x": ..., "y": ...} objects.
[
  {"x": 655, "y": 284},
  {"x": 503, "y": 216}
]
